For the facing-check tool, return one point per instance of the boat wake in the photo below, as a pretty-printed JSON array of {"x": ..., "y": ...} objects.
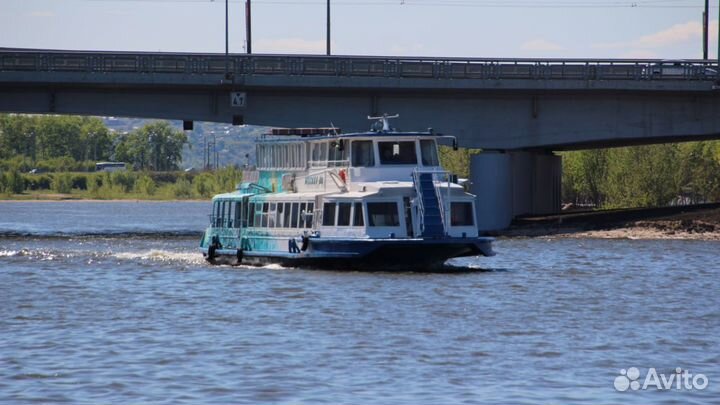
[
  {"x": 163, "y": 256},
  {"x": 110, "y": 234}
]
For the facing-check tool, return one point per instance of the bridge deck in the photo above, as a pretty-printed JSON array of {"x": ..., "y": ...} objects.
[{"x": 43, "y": 66}]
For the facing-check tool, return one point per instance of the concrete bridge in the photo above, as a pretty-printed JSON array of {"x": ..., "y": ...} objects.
[{"x": 522, "y": 109}]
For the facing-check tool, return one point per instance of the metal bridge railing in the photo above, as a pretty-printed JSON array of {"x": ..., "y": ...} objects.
[{"x": 19, "y": 60}]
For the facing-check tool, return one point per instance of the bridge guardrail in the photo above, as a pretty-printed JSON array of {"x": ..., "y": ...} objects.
[{"x": 12, "y": 60}]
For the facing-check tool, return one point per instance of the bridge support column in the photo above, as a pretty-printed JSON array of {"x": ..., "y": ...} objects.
[{"x": 508, "y": 184}]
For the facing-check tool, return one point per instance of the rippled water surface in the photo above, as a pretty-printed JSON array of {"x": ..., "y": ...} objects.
[{"x": 111, "y": 303}]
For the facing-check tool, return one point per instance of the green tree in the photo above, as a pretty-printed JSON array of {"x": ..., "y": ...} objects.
[
  {"x": 62, "y": 183},
  {"x": 18, "y": 135},
  {"x": 156, "y": 146},
  {"x": 145, "y": 185},
  {"x": 457, "y": 161},
  {"x": 96, "y": 139},
  {"x": 59, "y": 136}
]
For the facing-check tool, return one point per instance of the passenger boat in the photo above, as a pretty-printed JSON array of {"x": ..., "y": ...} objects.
[{"x": 376, "y": 200}]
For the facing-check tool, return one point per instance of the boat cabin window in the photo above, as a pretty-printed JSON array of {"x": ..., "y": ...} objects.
[
  {"x": 337, "y": 154},
  {"x": 306, "y": 215},
  {"x": 319, "y": 151},
  {"x": 342, "y": 213},
  {"x": 286, "y": 215},
  {"x": 428, "y": 152},
  {"x": 363, "y": 154},
  {"x": 358, "y": 219},
  {"x": 383, "y": 214},
  {"x": 281, "y": 155},
  {"x": 461, "y": 214},
  {"x": 328, "y": 214},
  {"x": 251, "y": 215},
  {"x": 226, "y": 214},
  {"x": 295, "y": 214},
  {"x": 264, "y": 215},
  {"x": 344, "y": 209},
  {"x": 278, "y": 215},
  {"x": 397, "y": 153},
  {"x": 238, "y": 215}
]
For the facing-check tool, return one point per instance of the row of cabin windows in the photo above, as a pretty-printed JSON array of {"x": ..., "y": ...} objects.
[
  {"x": 348, "y": 214},
  {"x": 394, "y": 153},
  {"x": 227, "y": 214},
  {"x": 282, "y": 155},
  {"x": 280, "y": 214},
  {"x": 293, "y": 155},
  {"x": 385, "y": 214},
  {"x": 351, "y": 214}
]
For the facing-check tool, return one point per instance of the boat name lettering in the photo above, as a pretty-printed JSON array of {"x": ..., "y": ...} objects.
[{"x": 318, "y": 179}]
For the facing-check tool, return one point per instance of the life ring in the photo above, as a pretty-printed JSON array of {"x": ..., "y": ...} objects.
[
  {"x": 343, "y": 175},
  {"x": 305, "y": 243}
]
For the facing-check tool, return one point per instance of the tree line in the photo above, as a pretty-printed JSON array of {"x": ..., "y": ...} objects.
[
  {"x": 71, "y": 143},
  {"x": 653, "y": 175},
  {"x": 643, "y": 176}
]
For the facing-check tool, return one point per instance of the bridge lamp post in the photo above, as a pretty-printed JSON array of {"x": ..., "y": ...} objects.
[
  {"x": 227, "y": 41},
  {"x": 328, "y": 27},
  {"x": 248, "y": 27},
  {"x": 706, "y": 29}
]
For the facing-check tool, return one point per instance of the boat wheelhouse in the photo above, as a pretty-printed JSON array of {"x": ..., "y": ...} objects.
[{"x": 369, "y": 200}]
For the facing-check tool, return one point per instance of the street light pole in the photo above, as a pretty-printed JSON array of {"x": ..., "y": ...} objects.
[
  {"x": 227, "y": 41},
  {"x": 248, "y": 27},
  {"x": 706, "y": 29},
  {"x": 328, "y": 27}
]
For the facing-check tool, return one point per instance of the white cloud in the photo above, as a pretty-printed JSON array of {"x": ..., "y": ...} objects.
[
  {"x": 676, "y": 34},
  {"x": 541, "y": 45},
  {"x": 639, "y": 54},
  {"x": 685, "y": 33},
  {"x": 289, "y": 45},
  {"x": 407, "y": 49},
  {"x": 41, "y": 14}
]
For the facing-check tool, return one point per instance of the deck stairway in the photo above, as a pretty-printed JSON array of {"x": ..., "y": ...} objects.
[{"x": 431, "y": 218}]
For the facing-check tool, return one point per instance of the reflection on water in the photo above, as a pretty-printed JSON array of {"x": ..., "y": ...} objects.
[{"x": 138, "y": 317}]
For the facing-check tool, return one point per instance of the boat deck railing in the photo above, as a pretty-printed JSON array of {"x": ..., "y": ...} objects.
[{"x": 322, "y": 164}]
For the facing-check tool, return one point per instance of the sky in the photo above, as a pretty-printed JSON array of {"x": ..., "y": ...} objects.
[{"x": 662, "y": 29}]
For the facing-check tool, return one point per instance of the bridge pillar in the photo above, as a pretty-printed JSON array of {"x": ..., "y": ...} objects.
[{"x": 509, "y": 184}]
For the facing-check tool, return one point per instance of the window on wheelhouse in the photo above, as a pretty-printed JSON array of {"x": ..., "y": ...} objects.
[
  {"x": 319, "y": 152},
  {"x": 383, "y": 214},
  {"x": 428, "y": 152},
  {"x": 397, "y": 153},
  {"x": 461, "y": 214},
  {"x": 363, "y": 154},
  {"x": 337, "y": 154}
]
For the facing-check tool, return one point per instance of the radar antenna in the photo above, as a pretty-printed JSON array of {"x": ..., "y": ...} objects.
[{"x": 385, "y": 120}]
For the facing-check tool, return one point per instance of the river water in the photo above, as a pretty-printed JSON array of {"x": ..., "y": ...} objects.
[{"x": 109, "y": 302}]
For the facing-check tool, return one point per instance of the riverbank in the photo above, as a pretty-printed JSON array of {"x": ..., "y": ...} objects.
[
  {"x": 87, "y": 197},
  {"x": 697, "y": 222}
]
